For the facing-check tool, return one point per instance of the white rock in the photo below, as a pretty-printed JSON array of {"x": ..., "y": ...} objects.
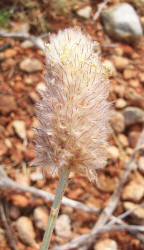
[
  {"x": 106, "y": 244},
  {"x": 113, "y": 153},
  {"x": 41, "y": 217},
  {"x": 27, "y": 44},
  {"x": 63, "y": 226},
  {"x": 120, "y": 103},
  {"x": 26, "y": 232},
  {"x": 31, "y": 65},
  {"x": 40, "y": 87},
  {"x": 122, "y": 22},
  {"x": 141, "y": 164},
  {"x": 133, "y": 191},
  {"x": 19, "y": 127},
  {"x": 85, "y": 12}
]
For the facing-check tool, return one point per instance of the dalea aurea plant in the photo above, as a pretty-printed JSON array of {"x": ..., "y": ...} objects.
[{"x": 73, "y": 113}]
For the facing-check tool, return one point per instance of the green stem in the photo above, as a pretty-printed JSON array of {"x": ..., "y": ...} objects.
[{"x": 55, "y": 207}]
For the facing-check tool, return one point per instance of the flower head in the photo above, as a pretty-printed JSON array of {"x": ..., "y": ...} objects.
[{"x": 73, "y": 112}]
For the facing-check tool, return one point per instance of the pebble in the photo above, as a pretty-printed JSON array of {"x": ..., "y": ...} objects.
[
  {"x": 3, "y": 149},
  {"x": 129, "y": 73},
  {"x": 27, "y": 44},
  {"x": 119, "y": 90},
  {"x": 19, "y": 200},
  {"x": 133, "y": 115},
  {"x": 40, "y": 87},
  {"x": 31, "y": 65},
  {"x": 120, "y": 62},
  {"x": 134, "y": 98},
  {"x": 7, "y": 104},
  {"x": 133, "y": 138},
  {"x": 120, "y": 103},
  {"x": 137, "y": 215},
  {"x": 85, "y": 12},
  {"x": 2, "y": 234},
  {"x": 133, "y": 191},
  {"x": 141, "y": 164},
  {"x": 14, "y": 212},
  {"x": 63, "y": 226},
  {"x": 10, "y": 53},
  {"x": 122, "y": 22},
  {"x": 41, "y": 217},
  {"x": 26, "y": 232},
  {"x": 106, "y": 244},
  {"x": 117, "y": 122},
  {"x": 20, "y": 27},
  {"x": 23, "y": 179},
  {"x": 123, "y": 140},
  {"x": 19, "y": 127},
  {"x": 113, "y": 153},
  {"x": 141, "y": 77},
  {"x": 134, "y": 83}
]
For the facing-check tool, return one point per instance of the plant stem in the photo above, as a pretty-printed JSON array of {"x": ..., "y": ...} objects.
[{"x": 55, "y": 207}]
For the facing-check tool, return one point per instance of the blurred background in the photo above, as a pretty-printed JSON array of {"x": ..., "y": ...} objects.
[{"x": 118, "y": 27}]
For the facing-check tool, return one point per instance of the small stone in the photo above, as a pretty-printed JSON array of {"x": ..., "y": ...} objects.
[
  {"x": 3, "y": 149},
  {"x": 23, "y": 179},
  {"x": 133, "y": 115},
  {"x": 122, "y": 22},
  {"x": 133, "y": 191},
  {"x": 40, "y": 87},
  {"x": 26, "y": 232},
  {"x": 129, "y": 73},
  {"x": 120, "y": 103},
  {"x": 8, "y": 143},
  {"x": 123, "y": 140},
  {"x": 2, "y": 56},
  {"x": 133, "y": 137},
  {"x": 19, "y": 127},
  {"x": 117, "y": 122},
  {"x": 141, "y": 77},
  {"x": 14, "y": 212},
  {"x": 41, "y": 217},
  {"x": 85, "y": 12},
  {"x": 7, "y": 104},
  {"x": 134, "y": 98},
  {"x": 19, "y": 200},
  {"x": 27, "y": 44},
  {"x": 20, "y": 27},
  {"x": 119, "y": 90},
  {"x": 137, "y": 215},
  {"x": 120, "y": 62},
  {"x": 141, "y": 164},
  {"x": 63, "y": 226},
  {"x": 10, "y": 53},
  {"x": 106, "y": 184},
  {"x": 31, "y": 65},
  {"x": 134, "y": 83},
  {"x": 2, "y": 234},
  {"x": 106, "y": 244},
  {"x": 29, "y": 155},
  {"x": 113, "y": 153}
]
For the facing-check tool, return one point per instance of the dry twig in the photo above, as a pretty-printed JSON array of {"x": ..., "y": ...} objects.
[
  {"x": 98, "y": 12},
  {"x": 6, "y": 182},
  {"x": 35, "y": 40},
  {"x": 9, "y": 232}
]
